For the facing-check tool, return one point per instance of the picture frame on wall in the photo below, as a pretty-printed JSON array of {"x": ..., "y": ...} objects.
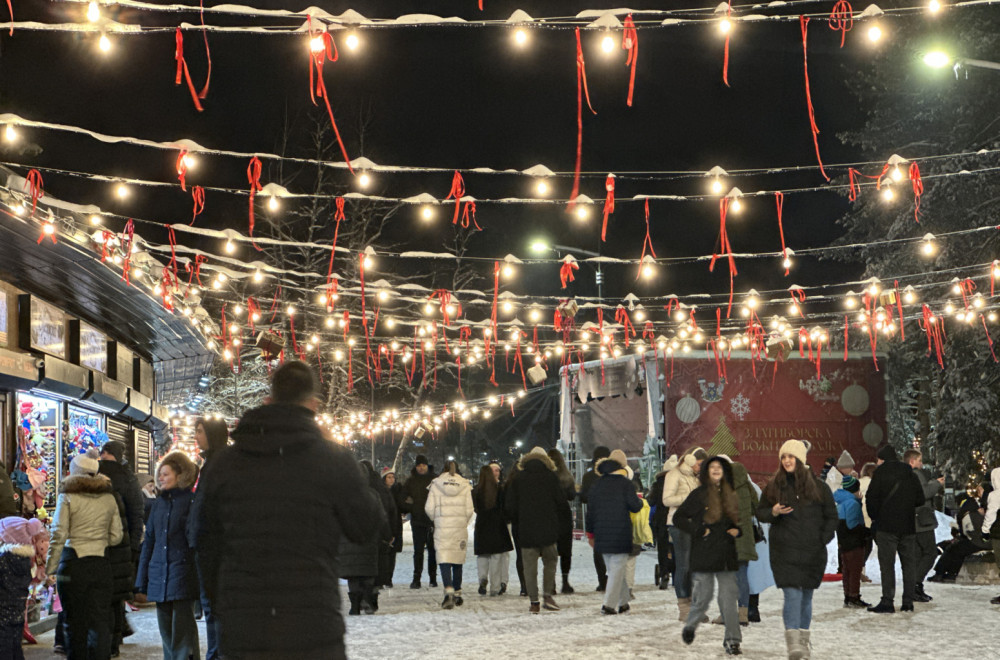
[
  {"x": 93, "y": 349},
  {"x": 42, "y": 326}
]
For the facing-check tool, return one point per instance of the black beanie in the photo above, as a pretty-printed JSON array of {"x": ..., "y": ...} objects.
[
  {"x": 421, "y": 460},
  {"x": 887, "y": 453},
  {"x": 601, "y": 452}
]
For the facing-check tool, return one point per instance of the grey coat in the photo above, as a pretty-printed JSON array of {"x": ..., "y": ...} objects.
[{"x": 932, "y": 487}]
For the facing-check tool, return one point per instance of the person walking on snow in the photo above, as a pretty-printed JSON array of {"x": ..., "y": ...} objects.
[
  {"x": 565, "y": 543},
  {"x": 422, "y": 529},
  {"x": 491, "y": 539},
  {"x": 387, "y": 552},
  {"x": 925, "y": 523},
  {"x": 589, "y": 478},
  {"x": 658, "y": 523},
  {"x": 609, "y": 527},
  {"x": 677, "y": 485},
  {"x": 359, "y": 562},
  {"x": 449, "y": 507},
  {"x": 803, "y": 520},
  {"x": 533, "y": 503},
  {"x": 851, "y": 533},
  {"x": 991, "y": 521}
]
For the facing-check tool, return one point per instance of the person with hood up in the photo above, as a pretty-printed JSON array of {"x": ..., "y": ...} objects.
[
  {"x": 842, "y": 468},
  {"x": 677, "y": 485},
  {"x": 211, "y": 436},
  {"x": 658, "y": 524},
  {"x": 892, "y": 500},
  {"x": 449, "y": 507},
  {"x": 565, "y": 543},
  {"x": 609, "y": 526},
  {"x": 589, "y": 477},
  {"x": 803, "y": 519},
  {"x": 388, "y": 552},
  {"x": 991, "y": 521},
  {"x": 491, "y": 538},
  {"x": 359, "y": 562},
  {"x": 17, "y": 550},
  {"x": 278, "y": 596},
  {"x": 969, "y": 539},
  {"x": 422, "y": 529},
  {"x": 851, "y": 533},
  {"x": 85, "y": 524},
  {"x": 534, "y": 500},
  {"x": 711, "y": 515},
  {"x": 168, "y": 575}
]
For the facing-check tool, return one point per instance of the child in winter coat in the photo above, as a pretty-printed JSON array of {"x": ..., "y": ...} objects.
[
  {"x": 642, "y": 534},
  {"x": 17, "y": 550},
  {"x": 851, "y": 539},
  {"x": 449, "y": 506},
  {"x": 167, "y": 574}
]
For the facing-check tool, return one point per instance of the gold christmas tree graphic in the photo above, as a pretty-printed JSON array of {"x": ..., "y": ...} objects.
[{"x": 723, "y": 442}]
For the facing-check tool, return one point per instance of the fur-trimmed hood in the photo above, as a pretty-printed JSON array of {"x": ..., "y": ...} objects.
[
  {"x": 17, "y": 549},
  {"x": 607, "y": 466},
  {"x": 187, "y": 471},
  {"x": 541, "y": 457},
  {"x": 86, "y": 485}
]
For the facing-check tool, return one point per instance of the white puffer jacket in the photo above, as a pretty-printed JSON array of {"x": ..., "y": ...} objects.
[
  {"x": 449, "y": 506},
  {"x": 678, "y": 484},
  {"x": 992, "y": 502}
]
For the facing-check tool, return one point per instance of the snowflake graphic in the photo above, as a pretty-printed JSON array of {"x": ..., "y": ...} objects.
[{"x": 740, "y": 406}]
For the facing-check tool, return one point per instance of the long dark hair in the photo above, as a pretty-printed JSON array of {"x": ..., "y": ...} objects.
[
  {"x": 565, "y": 476},
  {"x": 719, "y": 500},
  {"x": 803, "y": 481},
  {"x": 488, "y": 486}
]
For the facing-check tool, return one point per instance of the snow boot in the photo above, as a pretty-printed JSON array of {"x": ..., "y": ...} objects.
[
  {"x": 995, "y": 601},
  {"x": 503, "y": 589},
  {"x": 608, "y": 610},
  {"x": 804, "y": 641},
  {"x": 921, "y": 596},
  {"x": 566, "y": 588},
  {"x": 449, "y": 599},
  {"x": 482, "y": 587},
  {"x": 535, "y": 608},
  {"x": 793, "y": 640},
  {"x": 753, "y": 613},
  {"x": 907, "y": 606},
  {"x": 549, "y": 603},
  {"x": 434, "y": 581},
  {"x": 687, "y": 635},
  {"x": 624, "y": 609},
  {"x": 856, "y": 602},
  {"x": 458, "y": 598},
  {"x": 744, "y": 616},
  {"x": 683, "y": 609},
  {"x": 732, "y": 648},
  {"x": 374, "y": 602},
  {"x": 602, "y": 583},
  {"x": 355, "y": 604},
  {"x": 884, "y": 607},
  {"x": 415, "y": 584}
]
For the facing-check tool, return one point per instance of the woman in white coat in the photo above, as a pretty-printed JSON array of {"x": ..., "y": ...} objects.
[{"x": 449, "y": 506}]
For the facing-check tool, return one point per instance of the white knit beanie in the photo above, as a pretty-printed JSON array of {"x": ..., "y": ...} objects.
[
  {"x": 794, "y": 447},
  {"x": 84, "y": 466}
]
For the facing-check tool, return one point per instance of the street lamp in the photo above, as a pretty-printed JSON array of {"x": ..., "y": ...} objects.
[
  {"x": 540, "y": 247},
  {"x": 939, "y": 59}
]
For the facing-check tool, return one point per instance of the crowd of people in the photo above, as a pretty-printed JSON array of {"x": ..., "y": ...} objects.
[{"x": 213, "y": 541}]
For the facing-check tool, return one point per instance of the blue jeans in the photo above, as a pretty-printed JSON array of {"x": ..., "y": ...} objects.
[
  {"x": 211, "y": 629},
  {"x": 798, "y": 610},
  {"x": 743, "y": 582},
  {"x": 451, "y": 576},
  {"x": 682, "y": 562}
]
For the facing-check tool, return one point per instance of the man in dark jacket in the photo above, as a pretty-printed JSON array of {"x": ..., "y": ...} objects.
[
  {"x": 892, "y": 500},
  {"x": 124, "y": 557},
  {"x": 276, "y": 504},
  {"x": 609, "y": 527},
  {"x": 589, "y": 477},
  {"x": 925, "y": 523},
  {"x": 533, "y": 502},
  {"x": 968, "y": 539},
  {"x": 421, "y": 526}
]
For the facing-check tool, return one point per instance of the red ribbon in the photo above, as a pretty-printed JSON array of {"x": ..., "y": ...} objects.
[
  {"x": 779, "y": 199},
  {"x": 566, "y": 272},
  {"x": 173, "y": 250},
  {"x": 195, "y": 273},
  {"x": 725, "y": 59},
  {"x": 798, "y": 298},
  {"x": 182, "y": 69},
  {"x": 105, "y": 238},
  {"x": 842, "y": 18},
  {"x": 846, "y": 326},
  {"x": 725, "y": 250},
  {"x": 198, "y": 197},
  {"x": 899, "y": 308},
  {"x": 932, "y": 326},
  {"x": 646, "y": 242},
  {"x": 918, "y": 188},
  {"x": 621, "y": 316},
  {"x": 672, "y": 304},
  {"x": 469, "y": 215},
  {"x": 129, "y": 232},
  {"x": 444, "y": 299},
  {"x": 630, "y": 42},
  {"x": 165, "y": 285},
  {"x": 966, "y": 287},
  {"x": 33, "y": 183},
  {"x": 10, "y": 8},
  {"x": 609, "y": 203},
  {"x": 457, "y": 191},
  {"x": 988, "y": 338},
  {"x": 804, "y": 23},
  {"x": 253, "y": 177},
  {"x": 208, "y": 54},
  {"x": 316, "y": 60},
  {"x": 331, "y": 282},
  {"x": 581, "y": 92},
  {"x": 182, "y": 168}
]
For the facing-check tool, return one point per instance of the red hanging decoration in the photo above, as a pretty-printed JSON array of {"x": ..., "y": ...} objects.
[
  {"x": 198, "y": 198},
  {"x": 779, "y": 199},
  {"x": 804, "y": 24},
  {"x": 725, "y": 58},
  {"x": 182, "y": 69},
  {"x": 899, "y": 308},
  {"x": 328, "y": 52},
  {"x": 182, "y": 168},
  {"x": 988, "y": 338},
  {"x": 208, "y": 54},
  {"x": 930, "y": 325},
  {"x": 630, "y": 42},
  {"x": 331, "y": 282},
  {"x": 725, "y": 250},
  {"x": 566, "y": 272},
  {"x": 646, "y": 242},
  {"x": 581, "y": 92},
  {"x": 129, "y": 233},
  {"x": 846, "y": 326},
  {"x": 966, "y": 287},
  {"x": 842, "y": 18},
  {"x": 918, "y": 188},
  {"x": 609, "y": 203},
  {"x": 444, "y": 299},
  {"x": 195, "y": 273},
  {"x": 167, "y": 281},
  {"x": 457, "y": 192},
  {"x": 621, "y": 316},
  {"x": 33, "y": 184},
  {"x": 172, "y": 238},
  {"x": 469, "y": 215},
  {"x": 10, "y": 8},
  {"x": 253, "y": 176},
  {"x": 798, "y": 295},
  {"x": 852, "y": 173}
]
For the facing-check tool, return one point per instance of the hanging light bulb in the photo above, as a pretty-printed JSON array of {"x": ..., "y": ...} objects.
[
  {"x": 874, "y": 34},
  {"x": 934, "y": 6},
  {"x": 10, "y": 133},
  {"x": 608, "y": 44},
  {"x": 648, "y": 271},
  {"x": 352, "y": 41},
  {"x": 520, "y": 37},
  {"x": 121, "y": 190},
  {"x": 725, "y": 25},
  {"x": 104, "y": 43},
  {"x": 316, "y": 44},
  {"x": 887, "y": 194},
  {"x": 716, "y": 187},
  {"x": 258, "y": 277},
  {"x": 928, "y": 248},
  {"x": 369, "y": 263},
  {"x": 508, "y": 271},
  {"x": 542, "y": 188},
  {"x": 230, "y": 247},
  {"x": 582, "y": 211},
  {"x": 427, "y": 212},
  {"x": 390, "y": 323},
  {"x": 364, "y": 180},
  {"x": 897, "y": 174},
  {"x": 93, "y": 12},
  {"x": 95, "y": 220},
  {"x": 736, "y": 205}
]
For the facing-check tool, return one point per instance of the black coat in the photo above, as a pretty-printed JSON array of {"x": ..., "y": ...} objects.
[
  {"x": 15, "y": 580},
  {"x": 396, "y": 521},
  {"x": 589, "y": 478},
  {"x": 491, "y": 535},
  {"x": 798, "y": 540},
  {"x": 611, "y": 499},
  {"x": 714, "y": 551},
  {"x": 895, "y": 513},
  {"x": 124, "y": 557},
  {"x": 167, "y": 569},
  {"x": 276, "y": 505},
  {"x": 415, "y": 497},
  {"x": 534, "y": 500},
  {"x": 658, "y": 521},
  {"x": 361, "y": 559}
]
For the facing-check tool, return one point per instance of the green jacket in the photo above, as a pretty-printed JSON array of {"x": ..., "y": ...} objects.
[{"x": 746, "y": 549}]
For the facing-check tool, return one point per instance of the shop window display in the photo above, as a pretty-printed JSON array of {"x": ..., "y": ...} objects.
[
  {"x": 82, "y": 430},
  {"x": 37, "y": 435}
]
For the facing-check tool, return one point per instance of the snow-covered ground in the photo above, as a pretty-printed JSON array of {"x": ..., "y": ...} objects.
[{"x": 411, "y": 624}]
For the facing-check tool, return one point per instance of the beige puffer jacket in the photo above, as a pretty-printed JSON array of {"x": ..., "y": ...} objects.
[
  {"x": 86, "y": 519},
  {"x": 678, "y": 484}
]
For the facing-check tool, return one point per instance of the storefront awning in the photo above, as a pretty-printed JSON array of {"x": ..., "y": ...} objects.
[
  {"x": 63, "y": 379},
  {"x": 139, "y": 408},
  {"x": 18, "y": 371},
  {"x": 106, "y": 394}
]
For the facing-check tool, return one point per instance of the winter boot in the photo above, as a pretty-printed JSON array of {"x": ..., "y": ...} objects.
[
  {"x": 624, "y": 609},
  {"x": 884, "y": 607},
  {"x": 732, "y": 648},
  {"x": 753, "y": 613},
  {"x": 856, "y": 602},
  {"x": 995, "y": 601},
  {"x": 566, "y": 588},
  {"x": 482, "y": 587},
  {"x": 687, "y": 635},
  {"x": 907, "y": 606},
  {"x": 415, "y": 584},
  {"x": 744, "y": 616},
  {"x": 434, "y": 580},
  {"x": 804, "y": 641},
  {"x": 449, "y": 599},
  {"x": 534, "y": 608},
  {"x": 458, "y": 598},
  {"x": 374, "y": 602},
  {"x": 549, "y": 603},
  {"x": 602, "y": 583},
  {"x": 355, "y": 604},
  {"x": 683, "y": 609},
  {"x": 921, "y": 596},
  {"x": 503, "y": 589},
  {"x": 793, "y": 640}
]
